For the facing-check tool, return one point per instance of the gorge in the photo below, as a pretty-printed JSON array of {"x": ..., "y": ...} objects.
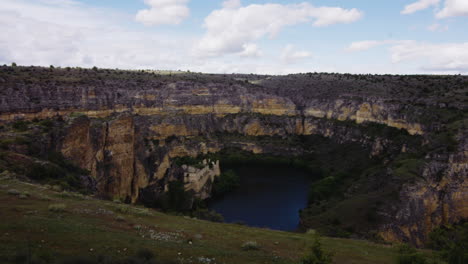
[{"x": 390, "y": 152}]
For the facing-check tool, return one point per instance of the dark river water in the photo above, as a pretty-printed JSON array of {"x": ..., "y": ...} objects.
[{"x": 267, "y": 197}]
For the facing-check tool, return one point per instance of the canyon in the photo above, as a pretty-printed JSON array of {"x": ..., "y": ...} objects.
[{"x": 404, "y": 137}]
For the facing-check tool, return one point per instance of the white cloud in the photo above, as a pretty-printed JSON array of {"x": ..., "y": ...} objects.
[
  {"x": 163, "y": 12},
  {"x": 250, "y": 50},
  {"x": 440, "y": 57},
  {"x": 232, "y": 27},
  {"x": 437, "y": 28},
  {"x": 51, "y": 32},
  {"x": 232, "y": 3},
  {"x": 454, "y": 8},
  {"x": 289, "y": 55},
  {"x": 364, "y": 45},
  {"x": 419, "y": 5},
  {"x": 451, "y": 8},
  {"x": 428, "y": 57}
]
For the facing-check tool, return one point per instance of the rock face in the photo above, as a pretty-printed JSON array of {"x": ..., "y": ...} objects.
[
  {"x": 127, "y": 128},
  {"x": 440, "y": 197}
]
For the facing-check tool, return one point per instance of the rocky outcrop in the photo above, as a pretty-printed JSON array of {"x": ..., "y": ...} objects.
[{"x": 439, "y": 197}]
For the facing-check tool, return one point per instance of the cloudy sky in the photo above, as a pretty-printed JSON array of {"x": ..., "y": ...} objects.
[{"x": 248, "y": 36}]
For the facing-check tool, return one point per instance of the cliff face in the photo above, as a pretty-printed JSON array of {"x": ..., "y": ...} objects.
[
  {"x": 127, "y": 132},
  {"x": 440, "y": 197}
]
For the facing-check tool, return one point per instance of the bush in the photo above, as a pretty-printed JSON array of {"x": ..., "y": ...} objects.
[
  {"x": 250, "y": 245},
  {"x": 20, "y": 126},
  {"x": 317, "y": 255},
  {"x": 205, "y": 214},
  {"x": 176, "y": 199},
  {"x": 123, "y": 209},
  {"x": 409, "y": 255},
  {"x": 225, "y": 183},
  {"x": 452, "y": 241},
  {"x": 57, "y": 208}
]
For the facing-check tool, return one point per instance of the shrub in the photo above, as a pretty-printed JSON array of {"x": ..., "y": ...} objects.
[
  {"x": 20, "y": 126},
  {"x": 250, "y": 245},
  {"x": 409, "y": 255},
  {"x": 57, "y": 207},
  {"x": 209, "y": 215},
  {"x": 176, "y": 199},
  {"x": 317, "y": 255},
  {"x": 142, "y": 212},
  {"x": 225, "y": 183},
  {"x": 123, "y": 209},
  {"x": 452, "y": 241}
]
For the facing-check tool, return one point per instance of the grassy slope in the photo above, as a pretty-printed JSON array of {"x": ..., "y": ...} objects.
[{"x": 93, "y": 224}]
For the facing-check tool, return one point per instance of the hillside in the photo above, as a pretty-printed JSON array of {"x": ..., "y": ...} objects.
[{"x": 91, "y": 227}]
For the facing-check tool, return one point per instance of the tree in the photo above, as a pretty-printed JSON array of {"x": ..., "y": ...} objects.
[{"x": 13, "y": 64}]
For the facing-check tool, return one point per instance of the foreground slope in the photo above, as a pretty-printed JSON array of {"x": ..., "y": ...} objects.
[{"x": 31, "y": 224}]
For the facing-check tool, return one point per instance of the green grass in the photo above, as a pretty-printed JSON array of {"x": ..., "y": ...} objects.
[{"x": 87, "y": 223}]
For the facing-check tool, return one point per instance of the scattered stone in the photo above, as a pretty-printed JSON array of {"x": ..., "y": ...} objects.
[
  {"x": 13, "y": 192},
  {"x": 120, "y": 218}
]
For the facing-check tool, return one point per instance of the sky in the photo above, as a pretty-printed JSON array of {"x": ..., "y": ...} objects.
[{"x": 239, "y": 36}]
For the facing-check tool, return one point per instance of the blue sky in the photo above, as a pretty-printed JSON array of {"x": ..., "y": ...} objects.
[{"x": 256, "y": 36}]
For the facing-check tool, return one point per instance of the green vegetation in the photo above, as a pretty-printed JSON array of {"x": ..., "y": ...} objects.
[
  {"x": 452, "y": 242},
  {"x": 176, "y": 199},
  {"x": 225, "y": 183},
  {"x": 316, "y": 254},
  {"x": 206, "y": 214},
  {"x": 57, "y": 207},
  {"x": 409, "y": 255},
  {"x": 20, "y": 126},
  {"x": 250, "y": 245},
  {"x": 408, "y": 169},
  {"x": 89, "y": 228}
]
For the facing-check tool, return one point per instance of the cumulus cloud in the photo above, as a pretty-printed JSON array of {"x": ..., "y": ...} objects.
[
  {"x": 163, "y": 12},
  {"x": 289, "y": 55},
  {"x": 453, "y": 8},
  {"x": 419, "y": 5},
  {"x": 231, "y": 28},
  {"x": 250, "y": 50}
]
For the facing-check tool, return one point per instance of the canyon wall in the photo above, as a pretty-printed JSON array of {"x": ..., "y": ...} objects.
[{"x": 128, "y": 133}]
